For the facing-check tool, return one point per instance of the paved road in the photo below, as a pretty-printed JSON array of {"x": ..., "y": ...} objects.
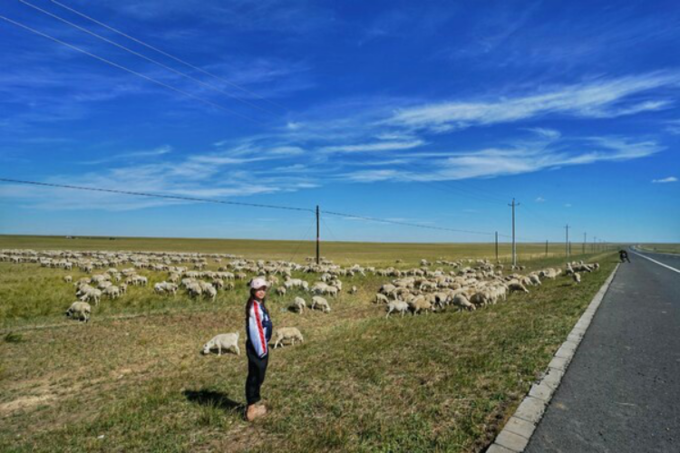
[{"x": 621, "y": 392}]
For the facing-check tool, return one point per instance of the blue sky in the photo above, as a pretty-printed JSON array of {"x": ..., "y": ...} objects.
[{"x": 422, "y": 112}]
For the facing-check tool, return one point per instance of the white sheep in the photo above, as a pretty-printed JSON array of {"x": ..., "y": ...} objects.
[
  {"x": 397, "y": 305},
  {"x": 223, "y": 342},
  {"x": 353, "y": 290},
  {"x": 577, "y": 277},
  {"x": 419, "y": 303},
  {"x": 80, "y": 311},
  {"x": 321, "y": 302},
  {"x": 209, "y": 291},
  {"x": 165, "y": 287},
  {"x": 461, "y": 301},
  {"x": 91, "y": 294},
  {"x": 381, "y": 299},
  {"x": 68, "y": 279},
  {"x": 299, "y": 304},
  {"x": 517, "y": 286},
  {"x": 112, "y": 291},
  {"x": 535, "y": 280},
  {"x": 281, "y": 290},
  {"x": 286, "y": 333}
]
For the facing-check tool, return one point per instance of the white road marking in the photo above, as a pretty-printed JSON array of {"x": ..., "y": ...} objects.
[{"x": 657, "y": 262}]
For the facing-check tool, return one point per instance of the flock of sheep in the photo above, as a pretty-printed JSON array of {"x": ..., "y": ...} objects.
[
  {"x": 465, "y": 288},
  {"x": 466, "y": 285}
]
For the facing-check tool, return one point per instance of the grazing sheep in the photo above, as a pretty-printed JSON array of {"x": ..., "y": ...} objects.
[
  {"x": 577, "y": 277},
  {"x": 218, "y": 283},
  {"x": 387, "y": 289},
  {"x": 68, "y": 279},
  {"x": 165, "y": 287},
  {"x": 381, "y": 299},
  {"x": 223, "y": 342},
  {"x": 322, "y": 303},
  {"x": 80, "y": 311},
  {"x": 332, "y": 291},
  {"x": 353, "y": 290},
  {"x": 91, "y": 294},
  {"x": 286, "y": 333},
  {"x": 461, "y": 301},
  {"x": 229, "y": 286},
  {"x": 535, "y": 280},
  {"x": 112, "y": 291},
  {"x": 299, "y": 304},
  {"x": 517, "y": 286},
  {"x": 398, "y": 306},
  {"x": 480, "y": 298},
  {"x": 194, "y": 289},
  {"x": 209, "y": 291},
  {"x": 281, "y": 290},
  {"x": 123, "y": 288},
  {"x": 103, "y": 285},
  {"x": 419, "y": 304}
]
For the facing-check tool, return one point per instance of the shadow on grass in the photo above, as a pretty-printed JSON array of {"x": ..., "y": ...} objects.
[{"x": 214, "y": 399}]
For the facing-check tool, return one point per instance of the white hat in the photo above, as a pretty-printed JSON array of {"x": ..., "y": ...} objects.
[{"x": 258, "y": 282}]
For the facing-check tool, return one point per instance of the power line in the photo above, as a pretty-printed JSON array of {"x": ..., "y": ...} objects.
[
  {"x": 417, "y": 225},
  {"x": 138, "y": 41},
  {"x": 116, "y": 65},
  {"x": 154, "y": 195},
  {"x": 137, "y": 54},
  {"x": 235, "y": 203}
]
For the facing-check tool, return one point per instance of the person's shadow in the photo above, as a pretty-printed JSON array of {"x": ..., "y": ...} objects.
[{"x": 212, "y": 398}]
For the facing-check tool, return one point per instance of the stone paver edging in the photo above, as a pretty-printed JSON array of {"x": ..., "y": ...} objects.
[{"x": 518, "y": 430}]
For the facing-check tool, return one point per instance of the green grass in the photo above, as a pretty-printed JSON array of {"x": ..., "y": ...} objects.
[
  {"x": 360, "y": 382},
  {"x": 342, "y": 253},
  {"x": 661, "y": 248}
]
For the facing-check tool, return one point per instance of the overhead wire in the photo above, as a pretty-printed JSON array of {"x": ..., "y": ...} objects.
[
  {"x": 236, "y": 203},
  {"x": 395, "y": 222},
  {"x": 131, "y": 71},
  {"x": 154, "y": 195},
  {"x": 137, "y": 54},
  {"x": 173, "y": 57}
]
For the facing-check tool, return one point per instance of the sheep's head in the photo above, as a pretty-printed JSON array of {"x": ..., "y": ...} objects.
[
  {"x": 207, "y": 347},
  {"x": 69, "y": 313}
]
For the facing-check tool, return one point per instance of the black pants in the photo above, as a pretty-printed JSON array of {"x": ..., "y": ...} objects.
[{"x": 257, "y": 367}]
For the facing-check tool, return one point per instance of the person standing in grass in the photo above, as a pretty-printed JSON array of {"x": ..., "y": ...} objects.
[{"x": 259, "y": 332}]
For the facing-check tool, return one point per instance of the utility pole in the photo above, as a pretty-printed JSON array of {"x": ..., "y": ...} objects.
[
  {"x": 318, "y": 260},
  {"x": 496, "y": 246},
  {"x": 584, "y": 243},
  {"x": 514, "y": 243},
  {"x": 566, "y": 244}
]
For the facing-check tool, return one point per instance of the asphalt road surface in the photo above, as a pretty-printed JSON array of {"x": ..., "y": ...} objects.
[{"x": 621, "y": 392}]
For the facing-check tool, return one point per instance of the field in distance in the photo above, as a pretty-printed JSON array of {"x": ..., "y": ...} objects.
[
  {"x": 661, "y": 248},
  {"x": 342, "y": 253},
  {"x": 132, "y": 379}
]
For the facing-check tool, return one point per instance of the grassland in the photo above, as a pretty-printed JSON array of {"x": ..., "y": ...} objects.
[
  {"x": 342, "y": 253},
  {"x": 132, "y": 379},
  {"x": 662, "y": 248}
]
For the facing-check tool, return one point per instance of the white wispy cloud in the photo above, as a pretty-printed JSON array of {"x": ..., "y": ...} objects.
[
  {"x": 523, "y": 157},
  {"x": 665, "y": 180},
  {"x": 540, "y": 200},
  {"x": 371, "y": 147},
  {"x": 601, "y": 98},
  {"x": 156, "y": 152},
  {"x": 207, "y": 175}
]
